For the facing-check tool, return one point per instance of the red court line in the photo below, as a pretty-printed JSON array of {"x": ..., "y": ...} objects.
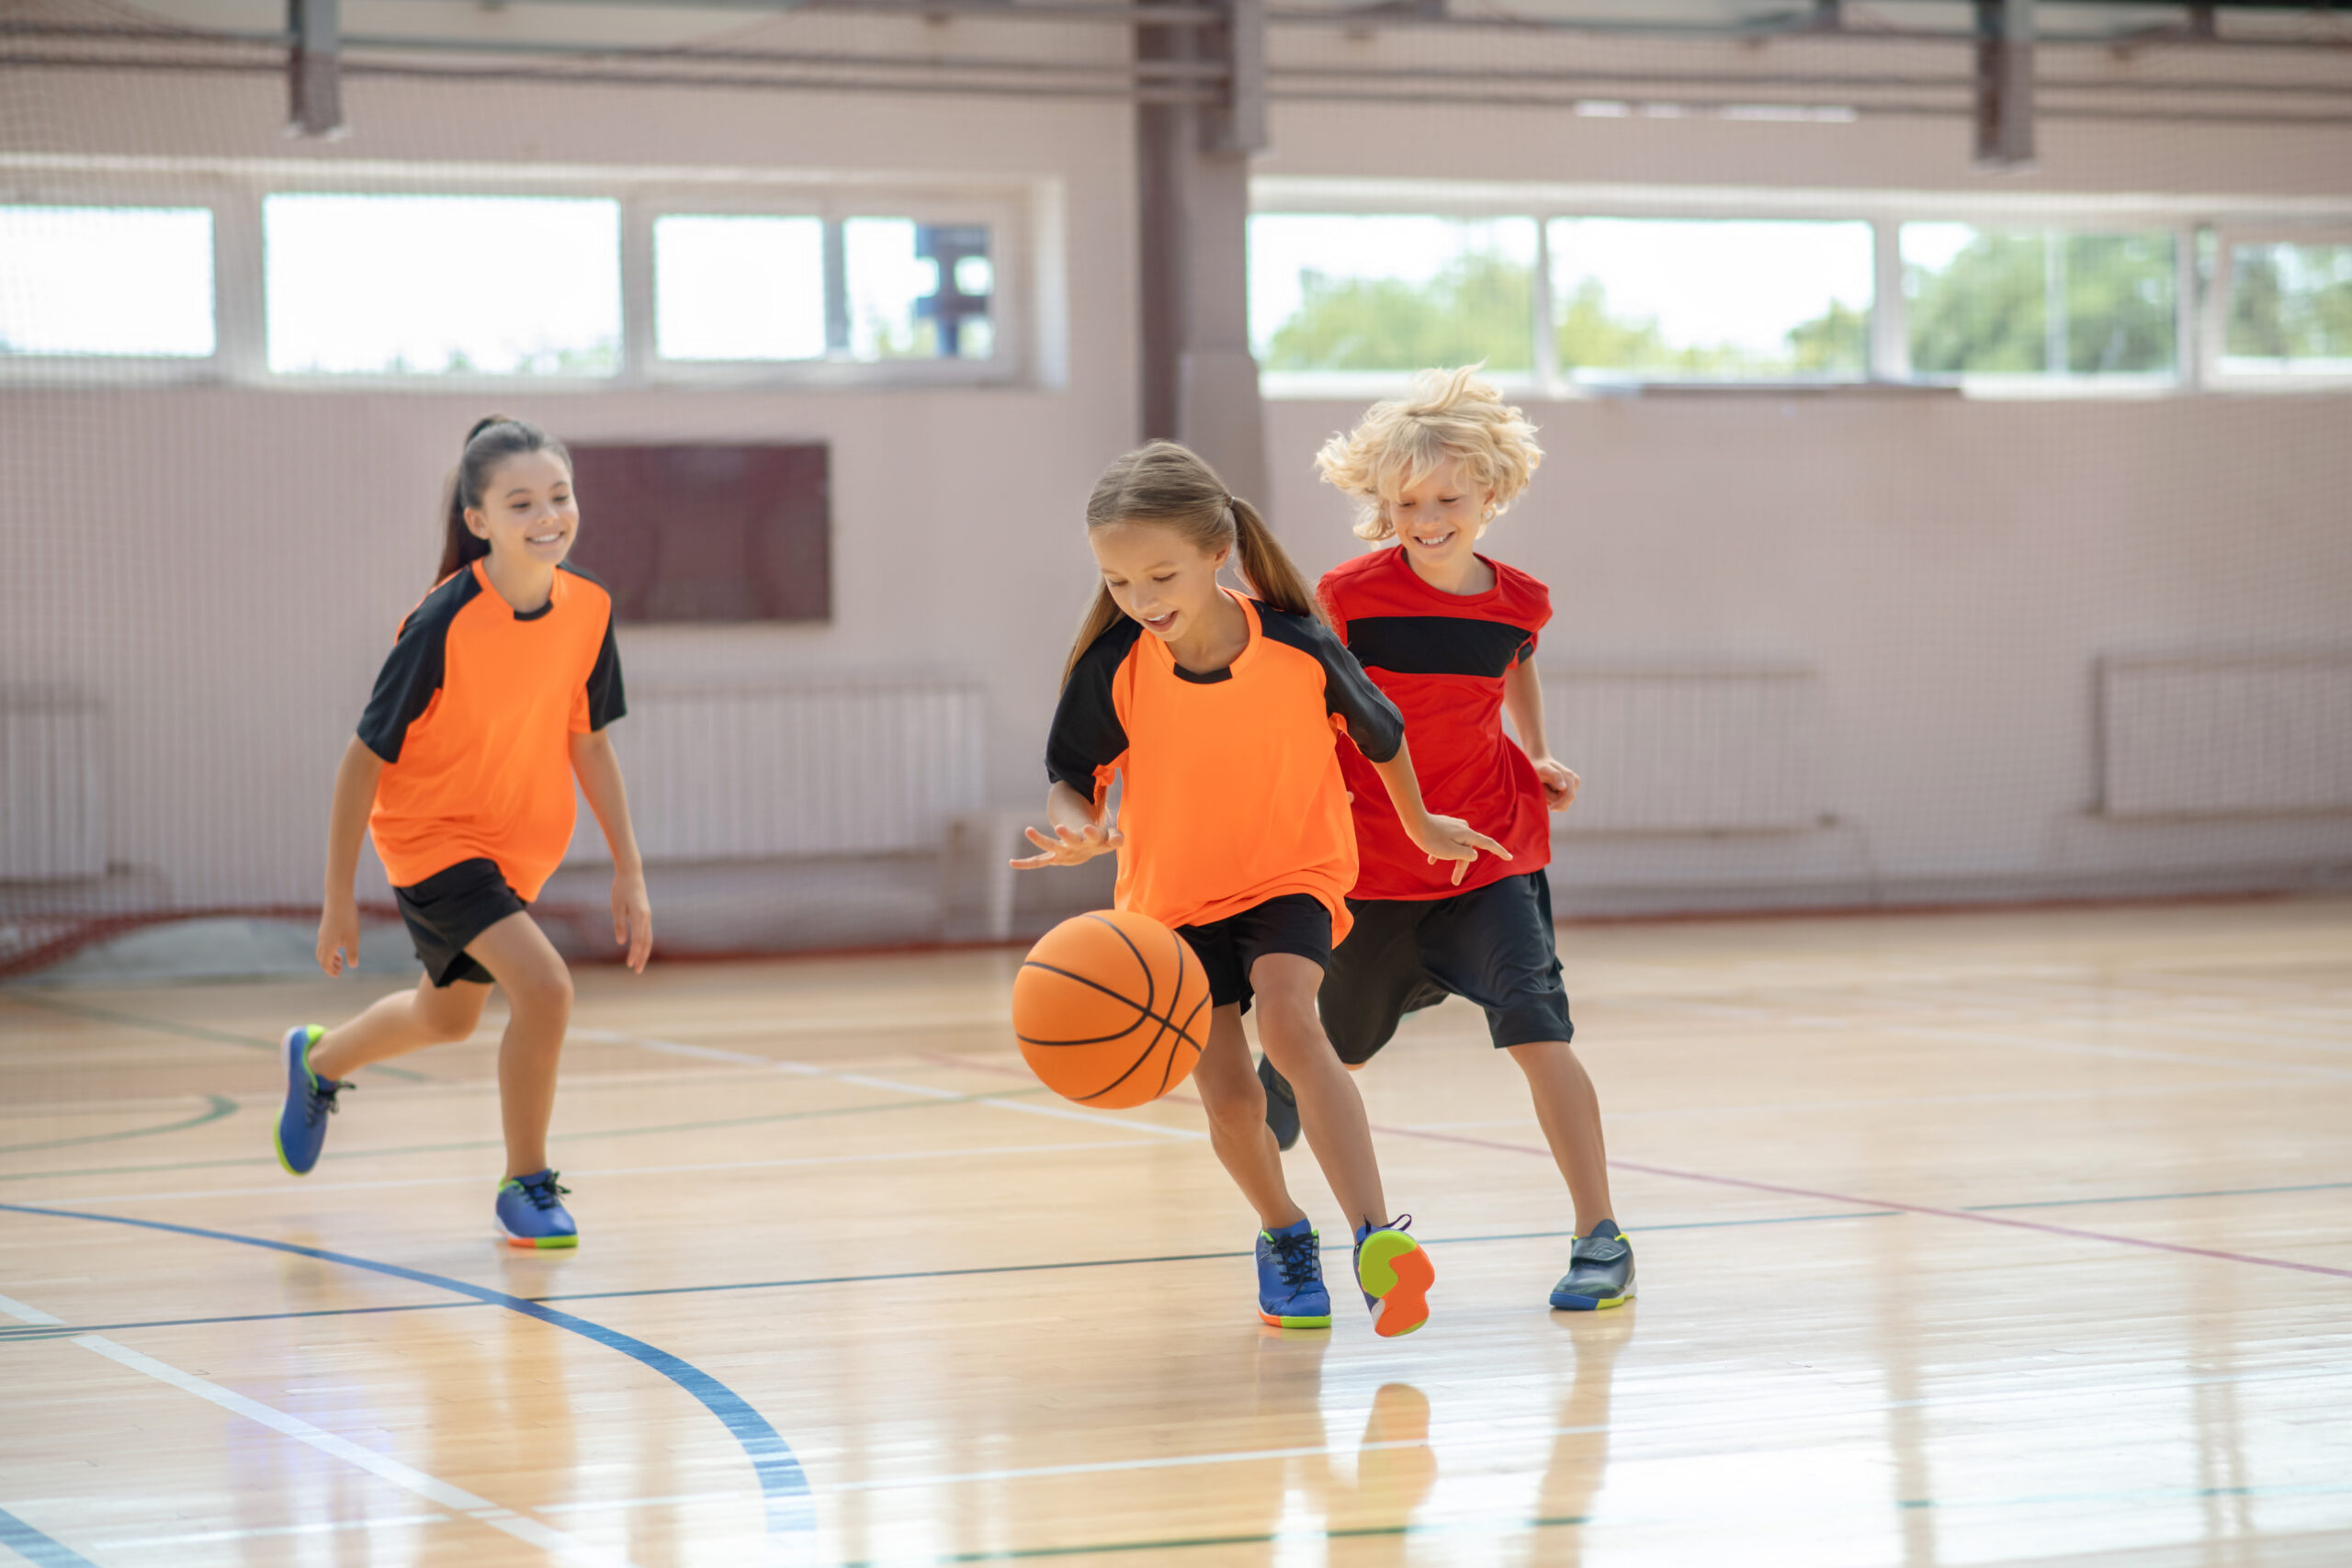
[
  {"x": 1887, "y": 1203},
  {"x": 1814, "y": 1192}
]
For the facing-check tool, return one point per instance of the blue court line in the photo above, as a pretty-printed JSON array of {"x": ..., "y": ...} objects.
[
  {"x": 36, "y": 1548},
  {"x": 2159, "y": 1197},
  {"x": 42, "y": 1331},
  {"x": 783, "y": 1484}
]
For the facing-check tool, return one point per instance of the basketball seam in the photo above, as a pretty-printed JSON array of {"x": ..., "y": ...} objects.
[{"x": 1098, "y": 985}]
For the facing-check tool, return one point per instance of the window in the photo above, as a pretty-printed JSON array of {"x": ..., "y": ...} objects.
[
  {"x": 442, "y": 285},
  {"x": 739, "y": 287},
  {"x": 2290, "y": 308},
  {"x": 1699, "y": 299},
  {"x": 918, "y": 290},
  {"x": 2025, "y": 302},
  {"x": 108, "y": 281},
  {"x": 1352, "y": 293}
]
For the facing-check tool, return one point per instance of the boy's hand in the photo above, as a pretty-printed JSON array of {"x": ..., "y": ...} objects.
[
  {"x": 339, "y": 935},
  {"x": 633, "y": 917},
  {"x": 1560, "y": 783},
  {"x": 1450, "y": 838},
  {"x": 1071, "y": 847}
]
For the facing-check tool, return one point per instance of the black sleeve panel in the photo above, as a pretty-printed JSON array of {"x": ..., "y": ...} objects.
[
  {"x": 606, "y": 701},
  {"x": 1438, "y": 645},
  {"x": 1374, "y": 723},
  {"x": 1087, "y": 733},
  {"x": 410, "y": 678}
]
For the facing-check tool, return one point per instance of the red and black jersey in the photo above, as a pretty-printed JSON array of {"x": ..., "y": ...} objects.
[{"x": 1441, "y": 658}]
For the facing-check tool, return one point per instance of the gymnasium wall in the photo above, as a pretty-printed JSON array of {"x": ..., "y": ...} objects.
[{"x": 1950, "y": 567}]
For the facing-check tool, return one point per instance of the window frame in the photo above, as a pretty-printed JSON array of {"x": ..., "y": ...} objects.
[
  {"x": 1006, "y": 364},
  {"x": 325, "y": 182},
  {"x": 1024, "y": 218},
  {"x": 2214, "y": 349},
  {"x": 2199, "y": 301},
  {"x": 217, "y": 198}
]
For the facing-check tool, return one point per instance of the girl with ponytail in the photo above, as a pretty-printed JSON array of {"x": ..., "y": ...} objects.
[
  {"x": 1233, "y": 828},
  {"x": 495, "y": 698}
]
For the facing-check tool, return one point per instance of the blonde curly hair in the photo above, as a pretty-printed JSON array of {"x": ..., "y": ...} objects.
[{"x": 1449, "y": 413}]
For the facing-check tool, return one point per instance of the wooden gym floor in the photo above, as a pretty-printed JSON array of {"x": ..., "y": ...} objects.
[{"x": 1964, "y": 1239}]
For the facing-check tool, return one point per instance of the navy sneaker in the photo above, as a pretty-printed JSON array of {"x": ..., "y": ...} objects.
[
  {"x": 1601, "y": 1271},
  {"x": 310, "y": 1100},
  {"x": 531, "y": 1211},
  {"x": 1282, "y": 1105},
  {"x": 1290, "y": 1277},
  {"x": 1395, "y": 1275}
]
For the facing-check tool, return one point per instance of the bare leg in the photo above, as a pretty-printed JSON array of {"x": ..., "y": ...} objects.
[
  {"x": 1570, "y": 1114},
  {"x": 1228, "y": 1086},
  {"x": 1329, "y": 1111},
  {"x": 396, "y": 1025},
  {"x": 538, "y": 1001}
]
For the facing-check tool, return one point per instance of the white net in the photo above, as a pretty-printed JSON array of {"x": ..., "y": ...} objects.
[{"x": 1917, "y": 534}]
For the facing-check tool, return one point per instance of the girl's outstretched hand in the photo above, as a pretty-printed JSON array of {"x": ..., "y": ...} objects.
[
  {"x": 1450, "y": 838},
  {"x": 339, "y": 936},
  {"x": 633, "y": 918},
  {"x": 1070, "y": 846}
]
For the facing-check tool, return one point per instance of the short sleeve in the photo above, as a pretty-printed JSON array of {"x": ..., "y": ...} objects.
[
  {"x": 606, "y": 700},
  {"x": 1373, "y": 721},
  {"x": 1086, "y": 735},
  {"x": 407, "y": 683},
  {"x": 1532, "y": 611}
]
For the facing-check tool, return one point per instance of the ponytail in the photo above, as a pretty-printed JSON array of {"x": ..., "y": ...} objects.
[
  {"x": 488, "y": 444},
  {"x": 1266, "y": 566},
  {"x": 1170, "y": 486}
]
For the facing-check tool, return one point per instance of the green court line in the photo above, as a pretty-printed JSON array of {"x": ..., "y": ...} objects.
[
  {"x": 55, "y": 1331},
  {"x": 251, "y": 1163},
  {"x": 2160, "y": 1197},
  {"x": 1195, "y": 1542},
  {"x": 221, "y": 1106},
  {"x": 184, "y": 1030}
]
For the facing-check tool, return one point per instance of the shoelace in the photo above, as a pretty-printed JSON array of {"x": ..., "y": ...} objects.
[
  {"x": 1299, "y": 1259},
  {"x": 541, "y": 1191},
  {"x": 323, "y": 1093}
]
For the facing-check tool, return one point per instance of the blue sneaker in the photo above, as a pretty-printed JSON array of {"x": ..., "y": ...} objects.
[
  {"x": 1601, "y": 1271},
  {"x": 1290, "y": 1277},
  {"x": 310, "y": 1100},
  {"x": 1395, "y": 1275},
  {"x": 531, "y": 1211}
]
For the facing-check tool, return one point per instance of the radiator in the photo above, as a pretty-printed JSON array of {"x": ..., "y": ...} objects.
[
  {"x": 764, "y": 774},
  {"x": 52, "y": 787},
  {"x": 1680, "y": 751},
  {"x": 2221, "y": 737}
]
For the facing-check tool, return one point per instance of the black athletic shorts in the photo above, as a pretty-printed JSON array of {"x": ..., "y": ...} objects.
[
  {"x": 447, "y": 910},
  {"x": 1294, "y": 922},
  {"x": 1492, "y": 944}
]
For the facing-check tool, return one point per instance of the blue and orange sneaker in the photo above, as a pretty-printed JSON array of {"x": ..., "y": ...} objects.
[
  {"x": 1601, "y": 1271},
  {"x": 531, "y": 1211},
  {"x": 1395, "y": 1275},
  {"x": 1290, "y": 1277},
  {"x": 310, "y": 1100}
]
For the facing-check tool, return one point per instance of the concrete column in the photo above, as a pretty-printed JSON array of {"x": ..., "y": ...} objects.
[{"x": 1200, "y": 381}]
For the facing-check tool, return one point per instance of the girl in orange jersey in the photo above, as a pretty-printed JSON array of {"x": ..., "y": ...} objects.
[
  {"x": 1234, "y": 829},
  {"x": 494, "y": 699}
]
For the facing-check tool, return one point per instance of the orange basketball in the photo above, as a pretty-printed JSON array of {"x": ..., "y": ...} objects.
[{"x": 1111, "y": 1009}]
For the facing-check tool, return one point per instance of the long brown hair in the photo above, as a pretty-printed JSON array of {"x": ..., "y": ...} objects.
[
  {"x": 1169, "y": 486},
  {"x": 490, "y": 443}
]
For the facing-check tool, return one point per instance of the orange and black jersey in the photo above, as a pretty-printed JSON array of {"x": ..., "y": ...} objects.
[
  {"x": 473, "y": 713},
  {"x": 1232, "y": 793}
]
